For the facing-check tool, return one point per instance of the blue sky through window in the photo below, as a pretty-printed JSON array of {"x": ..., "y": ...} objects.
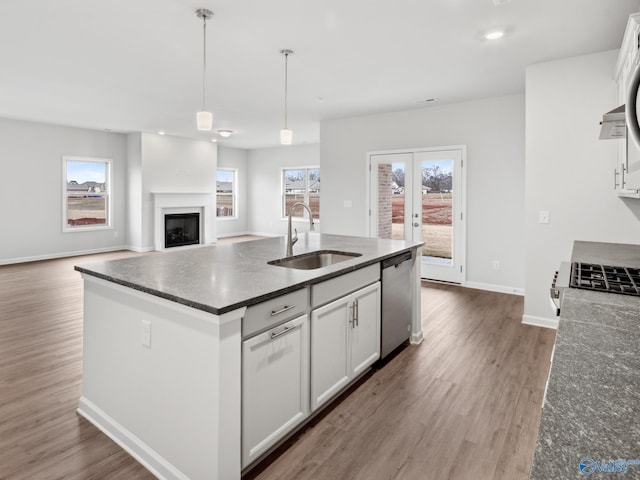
[
  {"x": 86, "y": 171},
  {"x": 224, "y": 175}
]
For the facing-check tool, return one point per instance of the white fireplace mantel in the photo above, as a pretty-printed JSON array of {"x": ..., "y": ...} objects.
[{"x": 183, "y": 202}]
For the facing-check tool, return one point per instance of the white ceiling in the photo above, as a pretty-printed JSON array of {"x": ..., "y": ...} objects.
[{"x": 136, "y": 65}]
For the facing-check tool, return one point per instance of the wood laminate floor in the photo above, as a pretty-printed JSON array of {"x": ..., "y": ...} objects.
[{"x": 464, "y": 404}]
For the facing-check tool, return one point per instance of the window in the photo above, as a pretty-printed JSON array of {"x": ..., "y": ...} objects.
[
  {"x": 301, "y": 185},
  {"x": 226, "y": 193},
  {"x": 87, "y": 193}
]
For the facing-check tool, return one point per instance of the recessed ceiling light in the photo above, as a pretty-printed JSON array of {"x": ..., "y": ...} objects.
[
  {"x": 214, "y": 140},
  {"x": 161, "y": 132},
  {"x": 225, "y": 133},
  {"x": 494, "y": 34}
]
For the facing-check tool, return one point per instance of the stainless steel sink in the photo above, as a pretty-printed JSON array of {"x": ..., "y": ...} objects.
[{"x": 311, "y": 260}]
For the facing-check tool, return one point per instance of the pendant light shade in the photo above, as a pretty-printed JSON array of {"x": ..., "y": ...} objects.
[
  {"x": 286, "y": 135},
  {"x": 204, "y": 118}
]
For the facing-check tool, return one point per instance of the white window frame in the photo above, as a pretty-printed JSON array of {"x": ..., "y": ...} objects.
[
  {"x": 234, "y": 193},
  {"x": 283, "y": 200},
  {"x": 109, "y": 194}
]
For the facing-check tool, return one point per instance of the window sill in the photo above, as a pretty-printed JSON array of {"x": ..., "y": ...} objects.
[
  {"x": 86, "y": 229},
  {"x": 224, "y": 219}
]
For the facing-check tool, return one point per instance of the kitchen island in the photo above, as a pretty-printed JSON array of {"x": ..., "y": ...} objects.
[
  {"x": 592, "y": 408},
  {"x": 163, "y": 357}
]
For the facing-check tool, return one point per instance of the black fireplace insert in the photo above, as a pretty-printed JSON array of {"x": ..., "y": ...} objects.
[{"x": 181, "y": 229}]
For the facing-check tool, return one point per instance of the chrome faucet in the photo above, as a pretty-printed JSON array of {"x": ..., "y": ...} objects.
[{"x": 293, "y": 239}]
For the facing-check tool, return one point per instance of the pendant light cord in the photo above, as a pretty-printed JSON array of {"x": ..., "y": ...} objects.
[
  {"x": 204, "y": 60},
  {"x": 286, "y": 76}
]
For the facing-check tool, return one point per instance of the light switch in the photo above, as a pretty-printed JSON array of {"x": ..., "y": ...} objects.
[{"x": 544, "y": 216}]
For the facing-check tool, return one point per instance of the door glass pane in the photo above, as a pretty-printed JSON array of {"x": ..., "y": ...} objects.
[
  {"x": 391, "y": 200},
  {"x": 437, "y": 211},
  {"x": 314, "y": 192}
]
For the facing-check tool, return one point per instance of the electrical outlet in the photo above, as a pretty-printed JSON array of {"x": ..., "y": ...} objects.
[
  {"x": 496, "y": 264},
  {"x": 145, "y": 329}
]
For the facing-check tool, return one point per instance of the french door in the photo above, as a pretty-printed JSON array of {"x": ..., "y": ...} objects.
[{"x": 419, "y": 195}]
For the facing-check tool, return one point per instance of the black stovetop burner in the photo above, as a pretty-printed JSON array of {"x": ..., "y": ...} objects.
[{"x": 605, "y": 278}]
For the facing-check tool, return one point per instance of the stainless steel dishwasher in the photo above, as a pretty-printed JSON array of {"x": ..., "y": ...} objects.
[{"x": 397, "y": 302}]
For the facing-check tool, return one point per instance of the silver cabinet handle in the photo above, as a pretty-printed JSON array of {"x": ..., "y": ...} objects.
[
  {"x": 355, "y": 312},
  {"x": 288, "y": 329},
  {"x": 615, "y": 178},
  {"x": 277, "y": 312},
  {"x": 352, "y": 320},
  {"x": 416, "y": 224}
]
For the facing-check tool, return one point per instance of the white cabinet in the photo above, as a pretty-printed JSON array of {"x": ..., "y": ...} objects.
[
  {"x": 275, "y": 385},
  {"x": 345, "y": 341}
]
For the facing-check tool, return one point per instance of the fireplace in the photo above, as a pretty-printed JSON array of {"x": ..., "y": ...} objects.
[
  {"x": 181, "y": 203},
  {"x": 181, "y": 229}
]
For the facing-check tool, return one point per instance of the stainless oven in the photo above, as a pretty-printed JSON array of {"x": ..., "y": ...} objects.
[{"x": 561, "y": 281}]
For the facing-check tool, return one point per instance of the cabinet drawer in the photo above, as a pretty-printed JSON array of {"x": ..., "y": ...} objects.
[
  {"x": 270, "y": 313},
  {"x": 329, "y": 290}
]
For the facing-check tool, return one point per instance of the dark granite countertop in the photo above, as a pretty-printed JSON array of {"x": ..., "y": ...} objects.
[
  {"x": 592, "y": 407},
  {"x": 222, "y": 278}
]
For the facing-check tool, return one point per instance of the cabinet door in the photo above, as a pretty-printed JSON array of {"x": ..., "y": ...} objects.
[
  {"x": 275, "y": 385},
  {"x": 365, "y": 331},
  {"x": 329, "y": 360}
]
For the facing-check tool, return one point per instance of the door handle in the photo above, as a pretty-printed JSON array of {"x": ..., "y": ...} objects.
[{"x": 416, "y": 224}]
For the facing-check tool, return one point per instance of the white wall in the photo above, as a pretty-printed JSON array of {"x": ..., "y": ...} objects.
[
  {"x": 237, "y": 159},
  {"x": 134, "y": 191},
  {"x": 168, "y": 164},
  {"x": 569, "y": 171},
  {"x": 264, "y": 186},
  {"x": 31, "y": 190},
  {"x": 492, "y": 129}
]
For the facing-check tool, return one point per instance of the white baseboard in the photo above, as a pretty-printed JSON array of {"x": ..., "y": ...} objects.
[
  {"x": 139, "y": 450},
  {"x": 263, "y": 234},
  {"x": 416, "y": 338},
  {"x": 50, "y": 256},
  {"x": 540, "y": 321},
  {"x": 495, "y": 288},
  {"x": 234, "y": 234},
  {"x": 140, "y": 249}
]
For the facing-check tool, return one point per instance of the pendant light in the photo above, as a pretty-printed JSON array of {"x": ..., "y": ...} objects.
[
  {"x": 204, "y": 118},
  {"x": 286, "y": 135}
]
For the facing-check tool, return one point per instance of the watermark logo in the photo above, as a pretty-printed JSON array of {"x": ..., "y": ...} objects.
[{"x": 588, "y": 465}]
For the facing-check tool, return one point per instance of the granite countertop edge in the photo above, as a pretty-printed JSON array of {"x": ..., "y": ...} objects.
[{"x": 317, "y": 276}]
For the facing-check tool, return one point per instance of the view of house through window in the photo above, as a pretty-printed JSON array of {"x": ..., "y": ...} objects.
[
  {"x": 87, "y": 195},
  {"x": 225, "y": 193},
  {"x": 301, "y": 185}
]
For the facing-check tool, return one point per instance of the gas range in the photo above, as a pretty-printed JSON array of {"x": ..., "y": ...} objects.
[
  {"x": 605, "y": 278},
  {"x": 590, "y": 276}
]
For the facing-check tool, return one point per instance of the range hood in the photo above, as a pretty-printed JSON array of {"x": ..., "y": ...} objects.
[{"x": 613, "y": 124}]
